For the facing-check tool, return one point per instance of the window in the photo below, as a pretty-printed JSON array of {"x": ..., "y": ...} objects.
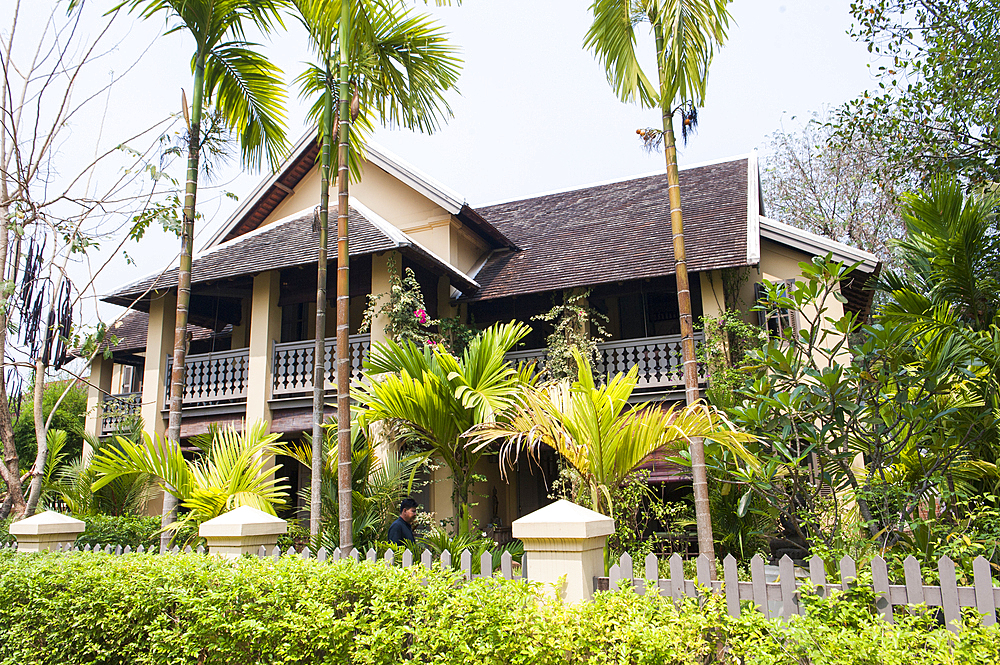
[{"x": 779, "y": 322}]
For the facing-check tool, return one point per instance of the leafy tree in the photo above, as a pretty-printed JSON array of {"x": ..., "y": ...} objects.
[
  {"x": 52, "y": 212},
  {"x": 686, "y": 34},
  {"x": 846, "y": 415},
  {"x": 935, "y": 109},
  {"x": 438, "y": 398},
  {"x": 598, "y": 431},
  {"x": 842, "y": 190},
  {"x": 69, "y": 417},
  {"x": 245, "y": 89}
]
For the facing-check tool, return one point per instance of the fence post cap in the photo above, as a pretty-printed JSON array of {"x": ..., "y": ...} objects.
[
  {"x": 243, "y": 521},
  {"x": 47, "y": 522},
  {"x": 563, "y": 519}
]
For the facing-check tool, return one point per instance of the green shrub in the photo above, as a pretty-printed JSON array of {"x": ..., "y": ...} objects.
[
  {"x": 129, "y": 531},
  {"x": 151, "y": 609},
  {"x": 69, "y": 418}
]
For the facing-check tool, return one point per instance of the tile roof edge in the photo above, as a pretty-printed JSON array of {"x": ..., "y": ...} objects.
[{"x": 797, "y": 238}]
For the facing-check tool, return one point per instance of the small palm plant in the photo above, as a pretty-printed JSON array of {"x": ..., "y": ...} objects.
[
  {"x": 599, "y": 432},
  {"x": 381, "y": 477},
  {"x": 231, "y": 472}
]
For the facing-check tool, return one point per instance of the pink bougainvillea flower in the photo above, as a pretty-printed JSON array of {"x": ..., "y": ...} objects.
[{"x": 421, "y": 315}]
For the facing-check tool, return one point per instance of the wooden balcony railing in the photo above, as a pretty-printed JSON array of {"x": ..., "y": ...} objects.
[
  {"x": 293, "y": 365},
  {"x": 117, "y": 409},
  {"x": 213, "y": 378},
  {"x": 658, "y": 359}
]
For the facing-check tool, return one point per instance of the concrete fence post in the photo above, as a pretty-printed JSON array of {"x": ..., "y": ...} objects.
[
  {"x": 47, "y": 530},
  {"x": 564, "y": 544},
  {"x": 242, "y": 531}
]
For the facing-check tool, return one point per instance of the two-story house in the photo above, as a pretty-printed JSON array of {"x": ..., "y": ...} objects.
[{"x": 254, "y": 285}]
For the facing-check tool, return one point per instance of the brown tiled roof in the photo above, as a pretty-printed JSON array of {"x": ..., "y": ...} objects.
[
  {"x": 280, "y": 245},
  {"x": 131, "y": 332},
  {"x": 617, "y": 231}
]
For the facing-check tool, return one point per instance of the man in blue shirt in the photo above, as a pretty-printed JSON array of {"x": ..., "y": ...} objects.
[{"x": 401, "y": 531}]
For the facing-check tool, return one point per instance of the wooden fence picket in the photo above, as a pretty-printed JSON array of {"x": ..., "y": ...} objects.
[
  {"x": 949, "y": 594},
  {"x": 985, "y": 597}
]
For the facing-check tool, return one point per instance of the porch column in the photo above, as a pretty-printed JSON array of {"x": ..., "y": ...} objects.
[
  {"x": 265, "y": 329},
  {"x": 159, "y": 344},
  {"x": 100, "y": 385}
]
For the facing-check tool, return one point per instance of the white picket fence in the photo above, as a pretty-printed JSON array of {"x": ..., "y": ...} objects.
[
  {"x": 781, "y": 598},
  {"x": 508, "y": 568}
]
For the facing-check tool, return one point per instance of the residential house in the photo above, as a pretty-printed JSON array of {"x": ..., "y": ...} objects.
[{"x": 254, "y": 284}]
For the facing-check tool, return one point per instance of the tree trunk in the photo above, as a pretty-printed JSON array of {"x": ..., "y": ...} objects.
[
  {"x": 41, "y": 458},
  {"x": 319, "y": 351},
  {"x": 699, "y": 472},
  {"x": 10, "y": 470},
  {"x": 343, "y": 358},
  {"x": 184, "y": 286}
]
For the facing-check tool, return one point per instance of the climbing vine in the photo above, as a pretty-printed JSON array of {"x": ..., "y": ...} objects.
[{"x": 577, "y": 325}]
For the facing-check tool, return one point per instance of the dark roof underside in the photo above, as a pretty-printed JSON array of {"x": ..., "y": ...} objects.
[
  {"x": 619, "y": 231},
  {"x": 275, "y": 246}
]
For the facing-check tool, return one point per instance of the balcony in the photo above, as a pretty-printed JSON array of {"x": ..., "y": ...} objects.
[
  {"x": 292, "y": 375},
  {"x": 659, "y": 360},
  {"x": 221, "y": 379},
  {"x": 117, "y": 410}
]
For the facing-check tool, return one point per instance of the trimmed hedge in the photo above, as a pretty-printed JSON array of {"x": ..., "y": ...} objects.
[
  {"x": 146, "y": 609},
  {"x": 132, "y": 531}
]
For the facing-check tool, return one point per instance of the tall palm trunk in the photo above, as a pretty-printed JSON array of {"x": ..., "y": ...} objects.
[
  {"x": 706, "y": 543},
  {"x": 184, "y": 285},
  {"x": 343, "y": 358},
  {"x": 319, "y": 351}
]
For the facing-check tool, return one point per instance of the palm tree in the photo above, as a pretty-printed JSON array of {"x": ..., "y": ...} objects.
[
  {"x": 379, "y": 481},
  {"x": 399, "y": 65},
  {"x": 598, "y": 432},
  {"x": 438, "y": 397},
  {"x": 686, "y": 34},
  {"x": 231, "y": 472},
  {"x": 245, "y": 90}
]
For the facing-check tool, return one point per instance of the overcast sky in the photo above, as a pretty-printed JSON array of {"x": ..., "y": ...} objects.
[{"x": 535, "y": 112}]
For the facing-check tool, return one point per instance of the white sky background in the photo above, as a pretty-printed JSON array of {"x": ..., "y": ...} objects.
[{"x": 535, "y": 112}]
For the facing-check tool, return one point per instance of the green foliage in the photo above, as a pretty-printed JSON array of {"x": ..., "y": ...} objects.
[
  {"x": 438, "y": 397},
  {"x": 938, "y": 80},
  {"x": 900, "y": 403},
  {"x": 72, "y": 483},
  {"x": 406, "y": 314},
  {"x": 378, "y": 483},
  {"x": 229, "y": 474},
  {"x": 151, "y": 609},
  {"x": 69, "y": 417},
  {"x": 126, "y": 530},
  {"x": 576, "y": 325},
  {"x": 598, "y": 431},
  {"x": 728, "y": 340},
  {"x": 640, "y": 513}
]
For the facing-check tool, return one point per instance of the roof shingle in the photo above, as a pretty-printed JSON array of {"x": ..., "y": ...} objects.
[{"x": 617, "y": 231}]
